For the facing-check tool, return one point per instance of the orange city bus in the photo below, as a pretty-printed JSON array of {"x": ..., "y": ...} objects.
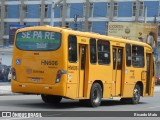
[{"x": 62, "y": 63}]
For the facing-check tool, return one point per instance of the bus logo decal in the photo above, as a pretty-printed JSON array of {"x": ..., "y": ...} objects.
[
  {"x": 18, "y": 61},
  {"x": 28, "y": 70}
]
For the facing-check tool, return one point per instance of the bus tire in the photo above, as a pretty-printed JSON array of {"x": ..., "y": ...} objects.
[
  {"x": 95, "y": 95},
  {"x": 136, "y": 95},
  {"x": 52, "y": 99}
]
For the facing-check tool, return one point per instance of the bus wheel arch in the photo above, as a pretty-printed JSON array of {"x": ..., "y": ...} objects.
[{"x": 101, "y": 84}]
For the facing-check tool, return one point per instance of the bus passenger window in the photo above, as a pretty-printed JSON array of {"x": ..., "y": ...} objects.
[
  {"x": 128, "y": 54},
  {"x": 137, "y": 56},
  {"x": 114, "y": 58},
  {"x": 119, "y": 61},
  {"x": 153, "y": 71},
  {"x": 72, "y": 48},
  {"x": 93, "y": 51},
  {"x": 103, "y": 52}
]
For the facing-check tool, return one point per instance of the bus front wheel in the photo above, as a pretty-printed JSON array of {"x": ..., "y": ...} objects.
[
  {"x": 51, "y": 99},
  {"x": 95, "y": 95}
]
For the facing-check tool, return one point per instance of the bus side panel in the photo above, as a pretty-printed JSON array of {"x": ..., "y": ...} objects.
[
  {"x": 153, "y": 84},
  {"x": 89, "y": 90},
  {"x": 107, "y": 90},
  {"x": 144, "y": 89},
  {"x": 132, "y": 76},
  {"x": 128, "y": 90},
  {"x": 72, "y": 80},
  {"x": 101, "y": 73},
  {"x": 152, "y": 76},
  {"x": 71, "y": 91}
]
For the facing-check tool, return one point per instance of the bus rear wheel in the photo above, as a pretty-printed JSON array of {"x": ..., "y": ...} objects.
[
  {"x": 52, "y": 99},
  {"x": 136, "y": 96},
  {"x": 95, "y": 95}
]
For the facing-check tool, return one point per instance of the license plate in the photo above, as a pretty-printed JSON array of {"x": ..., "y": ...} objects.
[{"x": 36, "y": 79}]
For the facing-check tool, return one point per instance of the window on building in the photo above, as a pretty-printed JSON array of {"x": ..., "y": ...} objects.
[
  {"x": 115, "y": 8},
  {"x": 46, "y": 11},
  {"x": 72, "y": 48},
  {"x": 137, "y": 56},
  {"x": 141, "y": 9},
  {"x": 128, "y": 54},
  {"x": 91, "y": 9},
  {"x": 134, "y": 9},
  {"x": 25, "y": 9},
  {"x": 93, "y": 51},
  {"x": 103, "y": 52},
  {"x": 61, "y": 10},
  {"x": 108, "y": 9},
  {"x": 6, "y": 11}
]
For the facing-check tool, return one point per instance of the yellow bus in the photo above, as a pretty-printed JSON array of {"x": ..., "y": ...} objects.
[{"x": 62, "y": 63}]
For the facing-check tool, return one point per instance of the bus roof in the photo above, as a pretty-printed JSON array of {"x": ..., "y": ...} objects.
[{"x": 84, "y": 34}]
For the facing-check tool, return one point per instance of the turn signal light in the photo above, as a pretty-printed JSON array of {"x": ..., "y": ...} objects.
[{"x": 59, "y": 74}]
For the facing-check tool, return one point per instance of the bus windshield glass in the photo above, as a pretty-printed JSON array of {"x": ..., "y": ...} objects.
[{"x": 38, "y": 40}]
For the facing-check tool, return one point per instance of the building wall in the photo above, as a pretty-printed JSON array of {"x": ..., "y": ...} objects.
[
  {"x": 6, "y": 59},
  {"x": 98, "y": 19}
]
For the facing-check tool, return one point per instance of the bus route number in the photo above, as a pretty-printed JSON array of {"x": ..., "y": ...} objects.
[{"x": 49, "y": 62}]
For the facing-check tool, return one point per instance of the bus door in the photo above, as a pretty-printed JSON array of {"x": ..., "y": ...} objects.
[
  {"x": 82, "y": 68},
  {"x": 149, "y": 73},
  {"x": 117, "y": 71}
]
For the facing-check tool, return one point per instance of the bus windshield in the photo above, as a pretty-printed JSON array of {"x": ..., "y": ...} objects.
[{"x": 38, "y": 40}]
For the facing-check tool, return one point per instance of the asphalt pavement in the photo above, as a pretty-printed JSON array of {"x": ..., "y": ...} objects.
[{"x": 5, "y": 89}]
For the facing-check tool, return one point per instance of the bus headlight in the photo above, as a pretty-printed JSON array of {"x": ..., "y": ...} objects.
[{"x": 59, "y": 74}]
